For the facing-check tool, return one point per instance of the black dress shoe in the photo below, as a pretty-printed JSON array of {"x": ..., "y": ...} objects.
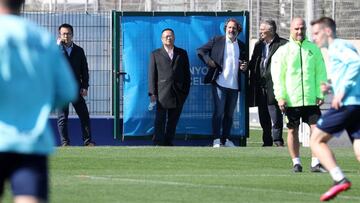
[
  {"x": 90, "y": 144},
  {"x": 65, "y": 144},
  {"x": 279, "y": 144},
  {"x": 168, "y": 144}
]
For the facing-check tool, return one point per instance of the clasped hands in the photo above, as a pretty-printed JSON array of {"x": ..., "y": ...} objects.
[{"x": 243, "y": 65}]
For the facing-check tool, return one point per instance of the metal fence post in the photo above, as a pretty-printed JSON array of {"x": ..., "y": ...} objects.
[{"x": 116, "y": 75}]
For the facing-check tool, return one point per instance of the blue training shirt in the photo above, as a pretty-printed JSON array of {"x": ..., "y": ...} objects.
[
  {"x": 34, "y": 79},
  {"x": 345, "y": 71}
]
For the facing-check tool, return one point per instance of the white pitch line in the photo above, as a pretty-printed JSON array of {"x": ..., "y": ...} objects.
[
  {"x": 201, "y": 175},
  {"x": 173, "y": 183},
  {"x": 197, "y": 175}
]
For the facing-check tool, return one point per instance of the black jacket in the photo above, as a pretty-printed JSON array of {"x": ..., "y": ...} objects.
[
  {"x": 78, "y": 63},
  {"x": 256, "y": 79},
  {"x": 169, "y": 79},
  {"x": 214, "y": 49}
]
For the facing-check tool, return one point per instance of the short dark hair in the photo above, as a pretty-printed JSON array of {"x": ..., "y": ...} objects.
[
  {"x": 14, "y": 5},
  {"x": 327, "y": 22},
  {"x": 271, "y": 23},
  {"x": 66, "y": 25},
  {"x": 168, "y": 29},
  {"x": 238, "y": 25}
]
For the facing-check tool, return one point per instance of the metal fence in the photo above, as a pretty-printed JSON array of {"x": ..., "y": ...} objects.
[
  {"x": 92, "y": 26},
  {"x": 345, "y": 12},
  {"x": 93, "y": 33}
]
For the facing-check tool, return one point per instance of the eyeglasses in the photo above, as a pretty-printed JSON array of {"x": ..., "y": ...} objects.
[
  {"x": 264, "y": 30},
  {"x": 66, "y": 34},
  {"x": 168, "y": 37}
]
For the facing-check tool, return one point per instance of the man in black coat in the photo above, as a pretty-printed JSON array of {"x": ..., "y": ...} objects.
[
  {"x": 169, "y": 85},
  {"x": 225, "y": 57},
  {"x": 261, "y": 86},
  {"x": 77, "y": 59}
]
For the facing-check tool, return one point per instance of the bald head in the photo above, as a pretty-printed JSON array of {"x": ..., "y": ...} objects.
[{"x": 298, "y": 29}]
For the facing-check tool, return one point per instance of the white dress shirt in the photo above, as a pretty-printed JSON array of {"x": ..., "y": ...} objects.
[
  {"x": 170, "y": 52},
  {"x": 229, "y": 76}
]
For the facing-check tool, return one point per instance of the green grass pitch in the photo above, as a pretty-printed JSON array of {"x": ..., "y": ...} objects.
[{"x": 191, "y": 174}]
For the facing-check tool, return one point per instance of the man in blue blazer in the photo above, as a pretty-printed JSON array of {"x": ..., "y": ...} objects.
[
  {"x": 225, "y": 57},
  {"x": 169, "y": 85}
]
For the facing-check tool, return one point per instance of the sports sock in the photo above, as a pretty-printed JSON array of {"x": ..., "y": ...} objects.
[
  {"x": 337, "y": 174},
  {"x": 314, "y": 161},
  {"x": 296, "y": 160}
]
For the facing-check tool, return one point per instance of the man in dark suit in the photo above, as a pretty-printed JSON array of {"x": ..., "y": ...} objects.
[
  {"x": 261, "y": 85},
  {"x": 226, "y": 57},
  {"x": 169, "y": 85},
  {"x": 77, "y": 59}
]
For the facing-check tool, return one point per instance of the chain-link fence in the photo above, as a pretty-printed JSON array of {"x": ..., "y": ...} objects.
[
  {"x": 93, "y": 33},
  {"x": 343, "y": 11}
]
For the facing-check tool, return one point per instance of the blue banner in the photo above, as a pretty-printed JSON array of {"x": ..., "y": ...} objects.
[{"x": 141, "y": 35}]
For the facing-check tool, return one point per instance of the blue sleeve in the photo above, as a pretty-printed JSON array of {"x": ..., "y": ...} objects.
[
  {"x": 65, "y": 85},
  {"x": 351, "y": 61}
]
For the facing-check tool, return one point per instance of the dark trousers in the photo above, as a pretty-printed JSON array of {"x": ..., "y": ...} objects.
[
  {"x": 165, "y": 124},
  {"x": 271, "y": 119},
  {"x": 225, "y": 100},
  {"x": 83, "y": 113}
]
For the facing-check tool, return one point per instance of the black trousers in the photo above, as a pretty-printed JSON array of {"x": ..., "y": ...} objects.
[
  {"x": 271, "y": 119},
  {"x": 83, "y": 113},
  {"x": 165, "y": 124}
]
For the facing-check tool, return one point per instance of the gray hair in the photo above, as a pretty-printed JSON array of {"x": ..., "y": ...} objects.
[{"x": 271, "y": 23}]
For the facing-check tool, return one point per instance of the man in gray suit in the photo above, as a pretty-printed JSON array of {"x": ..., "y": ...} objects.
[{"x": 169, "y": 85}]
